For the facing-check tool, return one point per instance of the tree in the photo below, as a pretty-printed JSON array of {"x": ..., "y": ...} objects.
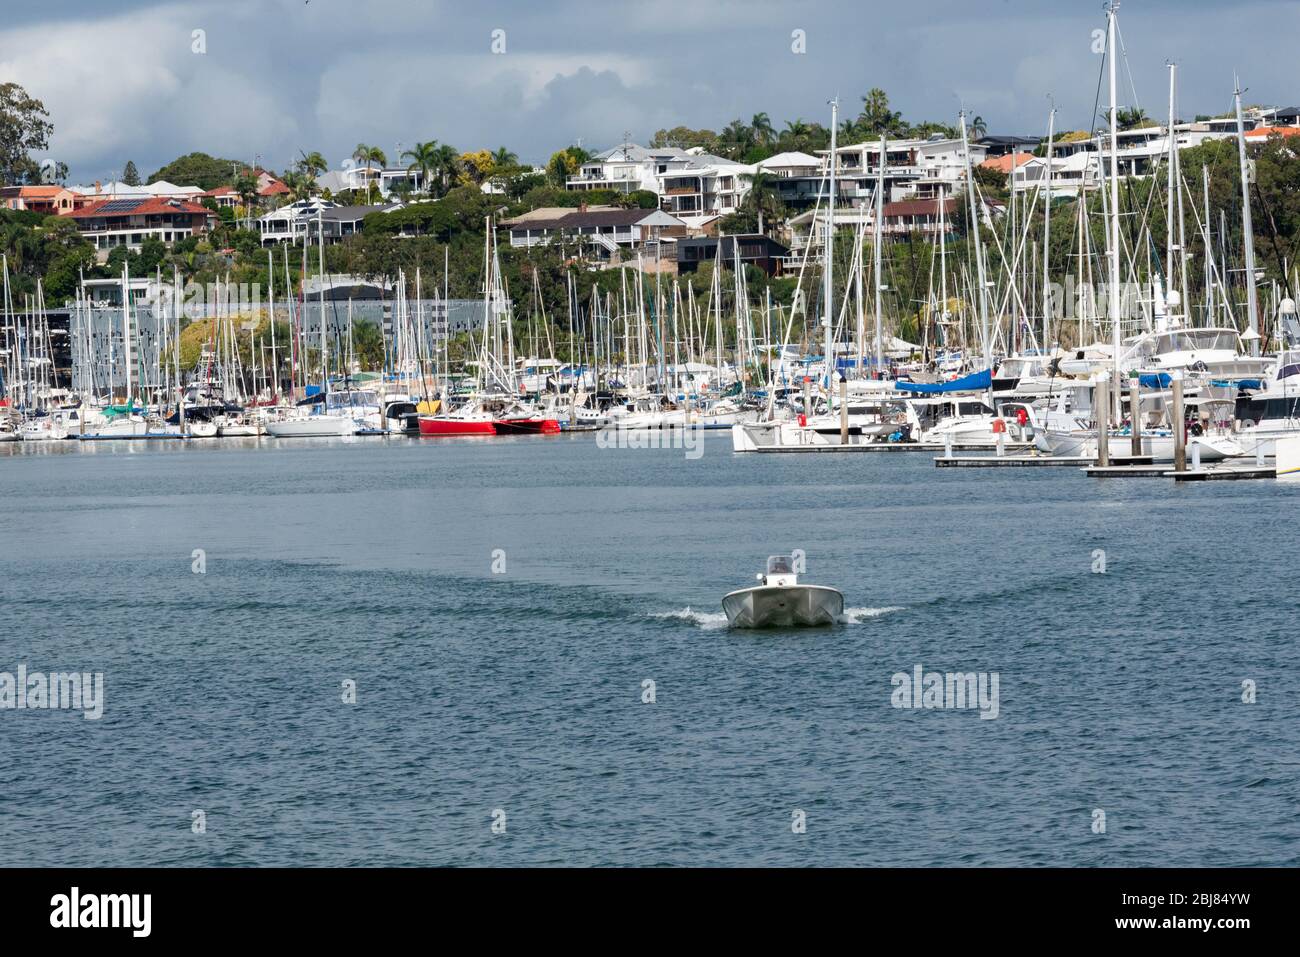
[
  {"x": 198, "y": 169},
  {"x": 424, "y": 157},
  {"x": 475, "y": 167},
  {"x": 564, "y": 164},
  {"x": 312, "y": 164},
  {"x": 300, "y": 185},
  {"x": 446, "y": 158},
  {"x": 503, "y": 158},
  {"x": 24, "y": 128},
  {"x": 876, "y": 116},
  {"x": 978, "y": 127},
  {"x": 130, "y": 175},
  {"x": 763, "y": 199},
  {"x": 1131, "y": 117},
  {"x": 761, "y": 125}
]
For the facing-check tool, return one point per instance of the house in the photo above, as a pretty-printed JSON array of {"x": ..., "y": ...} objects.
[
  {"x": 222, "y": 196},
  {"x": 51, "y": 200},
  {"x": 129, "y": 222},
  {"x": 628, "y": 168},
  {"x": 608, "y": 230},
  {"x": 311, "y": 219},
  {"x": 902, "y": 218},
  {"x": 751, "y": 249},
  {"x": 388, "y": 179},
  {"x": 709, "y": 185},
  {"x": 995, "y": 146},
  {"x": 1007, "y": 162},
  {"x": 1262, "y": 133}
]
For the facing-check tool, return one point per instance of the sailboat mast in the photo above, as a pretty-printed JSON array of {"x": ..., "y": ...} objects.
[
  {"x": 827, "y": 277},
  {"x": 1114, "y": 205},
  {"x": 1047, "y": 229},
  {"x": 878, "y": 231},
  {"x": 1247, "y": 230}
]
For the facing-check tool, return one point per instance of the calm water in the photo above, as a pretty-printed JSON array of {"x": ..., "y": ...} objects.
[{"x": 371, "y": 560}]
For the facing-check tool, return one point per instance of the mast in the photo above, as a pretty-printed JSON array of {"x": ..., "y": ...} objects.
[
  {"x": 878, "y": 231},
  {"x": 324, "y": 344},
  {"x": 1047, "y": 228},
  {"x": 828, "y": 311},
  {"x": 126, "y": 330},
  {"x": 1247, "y": 230},
  {"x": 1114, "y": 204},
  {"x": 1172, "y": 184},
  {"x": 983, "y": 293}
]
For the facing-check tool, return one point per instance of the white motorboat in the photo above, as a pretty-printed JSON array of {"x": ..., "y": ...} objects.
[{"x": 781, "y": 602}]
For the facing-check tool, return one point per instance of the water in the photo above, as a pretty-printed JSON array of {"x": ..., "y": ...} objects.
[{"x": 372, "y": 560}]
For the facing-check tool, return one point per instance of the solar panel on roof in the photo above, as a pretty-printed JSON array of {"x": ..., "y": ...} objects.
[{"x": 120, "y": 205}]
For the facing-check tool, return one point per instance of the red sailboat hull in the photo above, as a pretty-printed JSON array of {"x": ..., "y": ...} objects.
[
  {"x": 434, "y": 425},
  {"x": 527, "y": 426}
]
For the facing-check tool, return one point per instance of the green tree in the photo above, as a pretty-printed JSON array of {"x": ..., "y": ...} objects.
[
  {"x": 24, "y": 129},
  {"x": 130, "y": 175},
  {"x": 312, "y": 164},
  {"x": 423, "y": 157},
  {"x": 199, "y": 169},
  {"x": 876, "y": 116}
]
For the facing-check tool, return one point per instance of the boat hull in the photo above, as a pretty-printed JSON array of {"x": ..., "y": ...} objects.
[
  {"x": 312, "y": 426},
  {"x": 526, "y": 426},
  {"x": 788, "y": 606},
  {"x": 438, "y": 425}
]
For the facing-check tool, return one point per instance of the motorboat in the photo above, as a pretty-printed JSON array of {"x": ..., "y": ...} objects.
[{"x": 779, "y": 601}]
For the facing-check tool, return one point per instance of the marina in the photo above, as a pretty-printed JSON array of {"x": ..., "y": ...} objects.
[{"x": 434, "y": 437}]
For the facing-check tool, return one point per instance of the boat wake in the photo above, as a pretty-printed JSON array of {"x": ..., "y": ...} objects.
[
  {"x": 859, "y": 616},
  {"x": 701, "y": 619},
  {"x": 711, "y": 621}
]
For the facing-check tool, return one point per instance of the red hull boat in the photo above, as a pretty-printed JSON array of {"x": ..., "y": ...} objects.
[
  {"x": 447, "y": 425},
  {"x": 527, "y": 426}
]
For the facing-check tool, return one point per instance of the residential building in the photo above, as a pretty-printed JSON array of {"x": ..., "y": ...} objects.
[
  {"x": 129, "y": 222},
  {"x": 751, "y": 249},
  {"x": 310, "y": 219},
  {"x": 628, "y": 168},
  {"x": 995, "y": 146},
  {"x": 709, "y": 185},
  {"x": 50, "y": 200},
  {"x": 689, "y": 183},
  {"x": 606, "y": 230}
]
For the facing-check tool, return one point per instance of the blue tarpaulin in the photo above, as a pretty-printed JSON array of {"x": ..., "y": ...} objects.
[
  {"x": 971, "y": 383},
  {"x": 1160, "y": 380}
]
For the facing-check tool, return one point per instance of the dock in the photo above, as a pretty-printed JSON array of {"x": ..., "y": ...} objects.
[
  {"x": 890, "y": 447},
  {"x": 1220, "y": 472},
  {"x": 1021, "y": 461}
]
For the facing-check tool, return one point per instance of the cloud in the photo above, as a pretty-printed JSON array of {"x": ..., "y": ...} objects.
[{"x": 282, "y": 76}]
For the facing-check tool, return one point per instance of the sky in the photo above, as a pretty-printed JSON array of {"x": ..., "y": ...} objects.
[{"x": 262, "y": 80}]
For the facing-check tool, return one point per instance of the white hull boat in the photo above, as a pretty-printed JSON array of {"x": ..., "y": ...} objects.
[{"x": 781, "y": 602}]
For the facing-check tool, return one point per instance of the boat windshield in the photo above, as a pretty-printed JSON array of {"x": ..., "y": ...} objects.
[{"x": 779, "y": 565}]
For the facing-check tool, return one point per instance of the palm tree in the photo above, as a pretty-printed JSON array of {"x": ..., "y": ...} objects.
[
  {"x": 446, "y": 165},
  {"x": 738, "y": 137},
  {"x": 313, "y": 164},
  {"x": 797, "y": 131},
  {"x": 300, "y": 185},
  {"x": 503, "y": 157},
  {"x": 424, "y": 157},
  {"x": 978, "y": 127},
  {"x": 761, "y": 125},
  {"x": 876, "y": 116},
  {"x": 763, "y": 196},
  {"x": 1131, "y": 117}
]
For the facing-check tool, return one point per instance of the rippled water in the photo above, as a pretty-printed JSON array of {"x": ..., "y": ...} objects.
[{"x": 372, "y": 560}]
